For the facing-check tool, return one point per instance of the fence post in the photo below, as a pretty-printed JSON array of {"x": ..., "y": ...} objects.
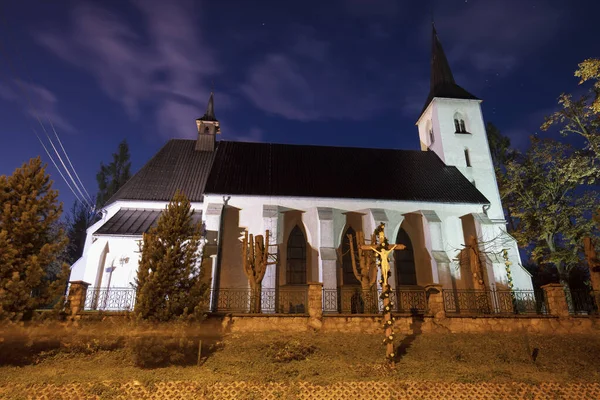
[
  {"x": 315, "y": 305},
  {"x": 556, "y": 299},
  {"x": 77, "y": 294},
  {"x": 435, "y": 301}
]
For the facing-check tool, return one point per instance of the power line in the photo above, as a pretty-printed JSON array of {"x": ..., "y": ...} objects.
[
  {"x": 69, "y": 160},
  {"x": 56, "y": 166}
]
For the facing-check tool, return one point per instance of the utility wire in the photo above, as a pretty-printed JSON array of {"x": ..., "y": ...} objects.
[
  {"x": 56, "y": 166},
  {"x": 72, "y": 167}
]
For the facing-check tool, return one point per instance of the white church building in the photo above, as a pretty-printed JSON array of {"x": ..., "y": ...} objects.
[{"x": 310, "y": 197}]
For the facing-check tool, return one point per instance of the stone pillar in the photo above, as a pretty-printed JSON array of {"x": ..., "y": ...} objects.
[
  {"x": 433, "y": 234},
  {"x": 556, "y": 300},
  {"x": 76, "y": 298},
  {"x": 272, "y": 221},
  {"x": 328, "y": 257},
  {"x": 435, "y": 301},
  {"x": 315, "y": 305}
]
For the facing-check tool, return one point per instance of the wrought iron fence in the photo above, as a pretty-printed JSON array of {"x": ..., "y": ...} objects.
[
  {"x": 282, "y": 301},
  {"x": 110, "y": 299},
  {"x": 413, "y": 301},
  {"x": 583, "y": 302},
  {"x": 357, "y": 301},
  {"x": 494, "y": 301}
]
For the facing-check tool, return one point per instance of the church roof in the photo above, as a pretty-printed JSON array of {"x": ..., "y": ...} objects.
[
  {"x": 176, "y": 166},
  {"x": 132, "y": 221},
  {"x": 265, "y": 169},
  {"x": 442, "y": 81}
]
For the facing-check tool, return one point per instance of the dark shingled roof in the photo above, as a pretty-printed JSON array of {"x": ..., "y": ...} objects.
[
  {"x": 131, "y": 221},
  {"x": 442, "y": 81},
  {"x": 337, "y": 172},
  {"x": 176, "y": 166}
]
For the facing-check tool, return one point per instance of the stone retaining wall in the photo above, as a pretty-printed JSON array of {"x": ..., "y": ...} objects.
[
  {"x": 304, "y": 390},
  {"x": 407, "y": 324}
]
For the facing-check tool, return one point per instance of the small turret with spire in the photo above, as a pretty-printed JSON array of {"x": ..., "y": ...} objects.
[{"x": 208, "y": 127}]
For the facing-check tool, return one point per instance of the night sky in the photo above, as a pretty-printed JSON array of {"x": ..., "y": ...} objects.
[{"x": 335, "y": 72}]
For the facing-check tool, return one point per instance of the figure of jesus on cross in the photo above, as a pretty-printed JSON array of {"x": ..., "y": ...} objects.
[{"x": 383, "y": 249}]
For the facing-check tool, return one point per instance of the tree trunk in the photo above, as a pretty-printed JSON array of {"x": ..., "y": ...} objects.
[
  {"x": 369, "y": 296},
  {"x": 255, "y": 298}
]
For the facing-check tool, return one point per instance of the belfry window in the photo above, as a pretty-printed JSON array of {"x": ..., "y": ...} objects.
[
  {"x": 206, "y": 130},
  {"x": 459, "y": 124}
]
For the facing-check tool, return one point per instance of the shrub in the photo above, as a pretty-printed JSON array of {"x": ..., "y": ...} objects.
[
  {"x": 151, "y": 351},
  {"x": 289, "y": 351}
]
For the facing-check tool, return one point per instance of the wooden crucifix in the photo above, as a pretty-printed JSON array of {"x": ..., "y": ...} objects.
[{"x": 383, "y": 249}]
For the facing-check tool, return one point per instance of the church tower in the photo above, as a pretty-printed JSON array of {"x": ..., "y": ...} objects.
[
  {"x": 208, "y": 127},
  {"x": 451, "y": 125}
]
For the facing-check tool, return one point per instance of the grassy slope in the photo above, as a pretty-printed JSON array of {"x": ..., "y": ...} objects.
[{"x": 338, "y": 357}]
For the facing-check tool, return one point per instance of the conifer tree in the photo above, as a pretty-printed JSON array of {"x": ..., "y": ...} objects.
[
  {"x": 31, "y": 242},
  {"x": 79, "y": 219},
  {"x": 169, "y": 282},
  {"x": 114, "y": 175}
]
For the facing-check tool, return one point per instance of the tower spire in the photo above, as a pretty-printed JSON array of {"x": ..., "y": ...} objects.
[
  {"x": 209, "y": 115},
  {"x": 440, "y": 69},
  {"x": 442, "y": 81}
]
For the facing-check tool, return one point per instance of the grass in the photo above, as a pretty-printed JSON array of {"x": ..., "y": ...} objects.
[{"x": 97, "y": 353}]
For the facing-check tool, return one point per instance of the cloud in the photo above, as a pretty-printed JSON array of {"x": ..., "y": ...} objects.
[
  {"x": 166, "y": 65},
  {"x": 307, "y": 83},
  {"x": 253, "y": 135},
  {"x": 378, "y": 8},
  {"x": 496, "y": 35},
  {"x": 37, "y": 101}
]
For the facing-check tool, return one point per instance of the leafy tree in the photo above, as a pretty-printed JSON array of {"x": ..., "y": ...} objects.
[
  {"x": 169, "y": 282},
  {"x": 553, "y": 216},
  {"x": 499, "y": 146},
  {"x": 502, "y": 154},
  {"x": 582, "y": 116},
  {"x": 79, "y": 219},
  {"x": 114, "y": 175},
  {"x": 590, "y": 70},
  {"x": 31, "y": 242}
]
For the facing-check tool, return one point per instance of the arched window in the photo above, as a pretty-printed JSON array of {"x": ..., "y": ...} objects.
[
  {"x": 430, "y": 131},
  {"x": 206, "y": 130},
  {"x": 467, "y": 158},
  {"x": 459, "y": 123},
  {"x": 405, "y": 260},
  {"x": 348, "y": 273},
  {"x": 296, "y": 258}
]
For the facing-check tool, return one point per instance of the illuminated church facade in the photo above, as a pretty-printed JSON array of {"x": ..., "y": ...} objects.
[{"x": 434, "y": 201}]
